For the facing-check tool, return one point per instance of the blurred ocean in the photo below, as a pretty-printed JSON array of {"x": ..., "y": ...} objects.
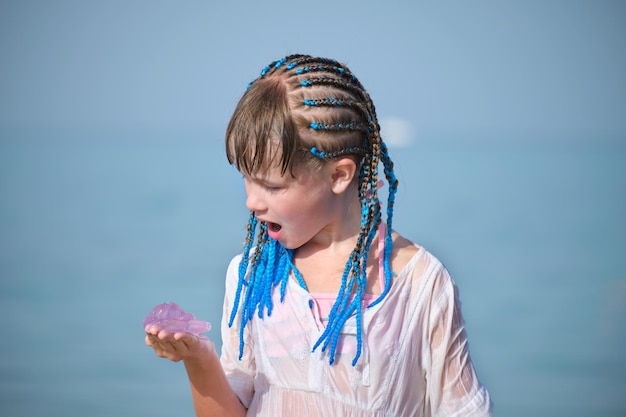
[{"x": 95, "y": 231}]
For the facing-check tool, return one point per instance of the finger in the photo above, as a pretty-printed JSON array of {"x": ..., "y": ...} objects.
[
  {"x": 152, "y": 329},
  {"x": 186, "y": 344},
  {"x": 161, "y": 348},
  {"x": 172, "y": 351},
  {"x": 165, "y": 335},
  {"x": 187, "y": 341},
  {"x": 183, "y": 336},
  {"x": 152, "y": 340},
  {"x": 173, "y": 345}
]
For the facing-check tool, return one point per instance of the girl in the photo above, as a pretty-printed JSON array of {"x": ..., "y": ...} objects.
[{"x": 328, "y": 311}]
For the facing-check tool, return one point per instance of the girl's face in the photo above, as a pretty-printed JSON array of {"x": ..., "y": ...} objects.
[{"x": 294, "y": 209}]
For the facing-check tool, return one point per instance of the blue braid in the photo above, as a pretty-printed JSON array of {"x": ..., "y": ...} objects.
[
  {"x": 337, "y": 318},
  {"x": 328, "y": 101},
  {"x": 275, "y": 64},
  {"x": 280, "y": 62},
  {"x": 267, "y": 283},
  {"x": 243, "y": 265},
  {"x": 339, "y": 305},
  {"x": 393, "y": 188},
  {"x": 359, "y": 325},
  {"x": 271, "y": 266},
  {"x": 333, "y": 154},
  {"x": 309, "y": 82},
  {"x": 343, "y": 308},
  {"x": 336, "y": 126},
  {"x": 298, "y": 59},
  {"x": 319, "y": 68}
]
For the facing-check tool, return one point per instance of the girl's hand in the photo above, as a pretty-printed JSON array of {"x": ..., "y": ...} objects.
[
  {"x": 178, "y": 346},
  {"x": 212, "y": 396}
]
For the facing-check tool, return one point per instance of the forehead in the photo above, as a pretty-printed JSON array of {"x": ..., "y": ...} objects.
[
  {"x": 259, "y": 156},
  {"x": 301, "y": 172},
  {"x": 273, "y": 175}
]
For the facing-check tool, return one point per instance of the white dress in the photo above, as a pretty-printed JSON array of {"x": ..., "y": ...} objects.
[{"x": 415, "y": 359}]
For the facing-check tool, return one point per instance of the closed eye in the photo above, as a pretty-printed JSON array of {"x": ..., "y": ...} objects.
[
  {"x": 271, "y": 188},
  {"x": 268, "y": 186}
]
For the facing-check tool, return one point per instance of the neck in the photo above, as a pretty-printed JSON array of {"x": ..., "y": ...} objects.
[
  {"x": 340, "y": 235},
  {"x": 329, "y": 243}
]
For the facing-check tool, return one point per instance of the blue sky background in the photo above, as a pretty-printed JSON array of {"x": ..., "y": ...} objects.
[
  {"x": 146, "y": 210},
  {"x": 482, "y": 69}
]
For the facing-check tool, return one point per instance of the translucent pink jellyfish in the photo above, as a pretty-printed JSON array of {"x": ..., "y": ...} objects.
[{"x": 171, "y": 317}]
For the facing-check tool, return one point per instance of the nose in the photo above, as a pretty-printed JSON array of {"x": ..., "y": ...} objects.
[{"x": 254, "y": 201}]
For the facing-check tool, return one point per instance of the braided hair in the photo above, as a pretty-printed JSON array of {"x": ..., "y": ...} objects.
[{"x": 304, "y": 110}]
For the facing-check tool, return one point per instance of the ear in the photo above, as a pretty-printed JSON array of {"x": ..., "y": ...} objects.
[{"x": 343, "y": 173}]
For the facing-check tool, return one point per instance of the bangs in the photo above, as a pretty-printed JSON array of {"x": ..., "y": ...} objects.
[{"x": 261, "y": 133}]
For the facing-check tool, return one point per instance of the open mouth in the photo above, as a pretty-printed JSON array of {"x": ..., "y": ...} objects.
[{"x": 274, "y": 227}]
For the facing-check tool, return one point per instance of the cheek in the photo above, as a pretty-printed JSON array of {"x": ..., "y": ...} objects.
[{"x": 313, "y": 205}]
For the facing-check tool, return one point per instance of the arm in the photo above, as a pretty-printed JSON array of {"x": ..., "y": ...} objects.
[
  {"x": 211, "y": 392},
  {"x": 212, "y": 396},
  {"x": 219, "y": 387},
  {"x": 452, "y": 385}
]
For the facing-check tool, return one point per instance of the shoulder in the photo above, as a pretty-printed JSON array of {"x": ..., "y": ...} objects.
[
  {"x": 419, "y": 267},
  {"x": 233, "y": 265},
  {"x": 232, "y": 273},
  {"x": 404, "y": 250}
]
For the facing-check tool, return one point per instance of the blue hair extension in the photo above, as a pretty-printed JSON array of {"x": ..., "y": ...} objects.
[
  {"x": 333, "y": 154},
  {"x": 265, "y": 70},
  {"x": 320, "y": 68},
  {"x": 328, "y": 101},
  {"x": 318, "y": 153},
  {"x": 393, "y": 188},
  {"x": 343, "y": 307},
  {"x": 243, "y": 265},
  {"x": 359, "y": 278},
  {"x": 270, "y": 267},
  {"x": 297, "y": 273},
  {"x": 304, "y": 69},
  {"x": 336, "y": 126},
  {"x": 336, "y": 312},
  {"x": 275, "y": 65}
]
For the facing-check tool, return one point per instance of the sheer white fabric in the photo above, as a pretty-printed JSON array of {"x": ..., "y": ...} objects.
[{"x": 415, "y": 359}]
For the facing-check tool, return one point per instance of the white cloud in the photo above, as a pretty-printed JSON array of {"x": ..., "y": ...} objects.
[{"x": 397, "y": 132}]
